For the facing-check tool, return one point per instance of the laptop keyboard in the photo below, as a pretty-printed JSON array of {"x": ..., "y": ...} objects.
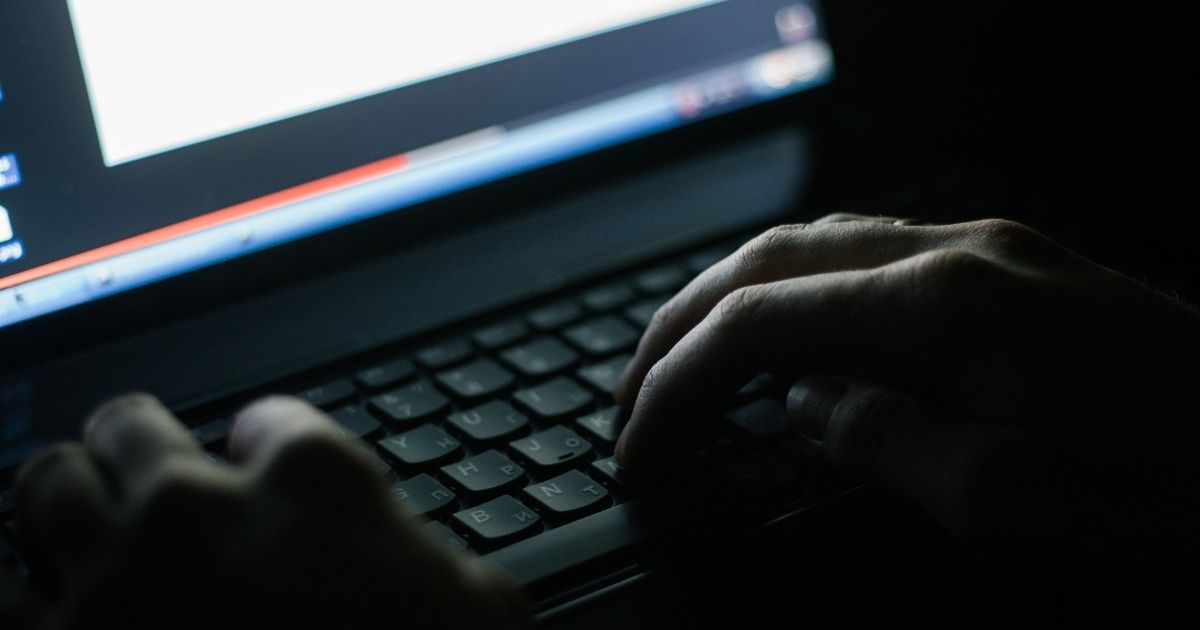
[{"x": 505, "y": 431}]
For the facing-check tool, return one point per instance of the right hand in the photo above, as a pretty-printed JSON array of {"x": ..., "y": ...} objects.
[{"x": 1037, "y": 404}]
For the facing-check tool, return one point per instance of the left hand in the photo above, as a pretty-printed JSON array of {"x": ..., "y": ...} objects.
[{"x": 136, "y": 527}]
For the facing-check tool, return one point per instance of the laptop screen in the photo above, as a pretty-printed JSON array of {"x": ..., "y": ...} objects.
[{"x": 142, "y": 139}]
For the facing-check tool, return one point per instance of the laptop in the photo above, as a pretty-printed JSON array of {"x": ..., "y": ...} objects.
[{"x": 444, "y": 224}]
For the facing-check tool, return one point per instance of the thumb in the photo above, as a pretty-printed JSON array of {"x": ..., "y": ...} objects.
[{"x": 889, "y": 438}]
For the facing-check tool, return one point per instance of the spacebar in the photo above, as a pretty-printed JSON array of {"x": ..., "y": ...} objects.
[{"x": 568, "y": 547}]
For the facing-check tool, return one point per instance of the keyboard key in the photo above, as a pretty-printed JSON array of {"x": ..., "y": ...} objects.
[
  {"x": 444, "y": 535},
  {"x": 541, "y": 357},
  {"x": 499, "y": 520},
  {"x": 602, "y": 425},
  {"x": 760, "y": 474},
  {"x": 666, "y": 279},
  {"x": 386, "y": 374},
  {"x": 445, "y": 354},
  {"x": 410, "y": 403},
  {"x": 608, "y": 297},
  {"x": 490, "y": 421},
  {"x": 762, "y": 418},
  {"x": 476, "y": 380},
  {"x": 499, "y": 335},
  {"x": 422, "y": 446},
  {"x": 642, "y": 312},
  {"x": 602, "y": 335},
  {"x": 213, "y": 434},
  {"x": 329, "y": 394},
  {"x": 489, "y": 471},
  {"x": 554, "y": 399},
  {"x": 555, "y": 316},
  {"x": 356, "y": 421},
  {"x": 422, "y": 495},
  {"x": 604, "y": 376},
  {"x": 609, "y": 471},
  {"x": 568, "y": 494},
  {"x": 553, "y": 448}
]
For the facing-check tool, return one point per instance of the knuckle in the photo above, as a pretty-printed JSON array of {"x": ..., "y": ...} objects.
[
  {"x": 655, "y": 384},
  {"x": 276, "y": 405},
  {"x": 123, "y": 405},
  {"x": 46, "y": 461},
  {"x": 47, "y": 478},
  {"x": 663, "y": 315},
  {"x": 654, "y": 379},
  {"x": 768, "y": 245},
  {"x": 738, "y": 307},
  {"x": 839, "y": 217},
  {"x": 126, "y": 401},
  {"x": 1004, "y": 236},
  {"x": 119, "y": 415},
  {"x": 950, "y": 272}
]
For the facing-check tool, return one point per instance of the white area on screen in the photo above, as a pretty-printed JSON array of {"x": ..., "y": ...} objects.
[
  {"x": 164, "y": 75},
  {"x": 6, "y": 231}
]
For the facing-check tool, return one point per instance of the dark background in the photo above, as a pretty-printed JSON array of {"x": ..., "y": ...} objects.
[{"x": 1067, "y": 115}]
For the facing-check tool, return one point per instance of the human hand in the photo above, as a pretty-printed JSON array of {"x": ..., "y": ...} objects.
[
  {"x": 137, "y": 528},
  {"x": 1037, "y": 404}
]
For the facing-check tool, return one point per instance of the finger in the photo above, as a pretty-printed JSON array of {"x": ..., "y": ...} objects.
[
  {"x": 881, "y": 435},
  {"x": 132, "y": 436},
  {"x": 266, "y": 425},
  {"x": 294, "y": 445},
  {"x": 65, "y": 511},
  {"x": 781, "y": 253},
  {"x": 890, "y": 438},
  {"x": 887, "y": 323}
]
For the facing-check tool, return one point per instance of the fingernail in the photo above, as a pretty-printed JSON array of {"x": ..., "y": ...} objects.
[{"x": 811, "y": 403}]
